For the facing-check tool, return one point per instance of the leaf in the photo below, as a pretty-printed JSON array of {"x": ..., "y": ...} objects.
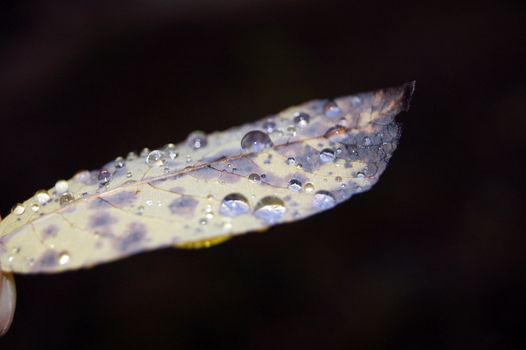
[{"x": 297, "y": 163}]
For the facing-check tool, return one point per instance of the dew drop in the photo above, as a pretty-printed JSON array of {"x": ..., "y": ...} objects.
[
  {"x": 197, "y": 140},
  {"x": 270, "y": 209},
  {"x": 61, "y": 186},
  {"x": 203, "y": 222},
  {"x": 336, "y": 133},
  {"x": 269, "y": 126},
  {"x": 131, "y": 156},
  {"x": 18, "y": 209},
  {"x": 360, "y": 174},
  {"x": 119, "y": 162},
  {"x": 323, "y": 200},
  {"x": 129, "y": 174},
  {"x": 331, "y": 110},
  {"x": 295, "y": 185},
  {"x": 255, "y": 141},
  {"x": 66, "y": 198},
  {"x": 291, "y": 161},
  {"x": 42, "y": 197},
  {"x": 308, "y": 187},
  {"x": 327, "y": 155},
  {"x": 367, "y": 141},
  {"x": 291, "y": 130},
  {"x": 254, "y": 178},
  {"x": 64, "y": 258},
  {"x": 155, "y": 158},
  {"x": 104, "y": 176},
  {"x": 301, "y": 119},
  {"x": 145, "y": 151},
  {"x": 35, "y": 207},
  {"x": 234, "y": 204},
  {"x": 338, "y": 179}
]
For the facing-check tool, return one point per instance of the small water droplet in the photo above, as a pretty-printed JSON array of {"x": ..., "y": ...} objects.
[
  {"x": 64, "y": 258},
  {"x": 360, "y": 174},
  {"x": 140, "y": 209},
  {"x": 295, "y": 185},
  {"x": 336, "y": 133},
  {"x": 291, "y": 161},
  {"x": 331, "y": 110},
  {"x": 270, "y": 209},
  {"x": 18, "y": 209},
  {"x": 119, "y": 162},
  {"x": 42, "y": 197},
  {"x": 61, "y": 186},
  {"x": 145, "y": 151},
  {"x": 327, "y": 155},
  {"x": 234, "y": 204},
  {"x": 308, "y": 187},
  {"x": 66, "y": 198},
  {"x": 197, "y": 140},
  {"x": 269, "y": 126},
  {"x": 301, "y": 119},
  {"x": 203, "y": 222},
  {"x": 367, "y": 141},
  {"x": 338, "y": 179},
  {"x": 209, "y": 216},
  {"x": 131, "y": 156},
  {"x": 255, "y": 141},
  {"x": 104, "y": 176},
  {"x": 35, "y": 207},
  {"x": 155, "y": 158},
  {"x": 210, "y": 197},
  {"x": 129, "y": 174},
  {"x": 255, "y": 178},
  {"x": 323, "y": 200},
  {"x": 149, "y": 202}
]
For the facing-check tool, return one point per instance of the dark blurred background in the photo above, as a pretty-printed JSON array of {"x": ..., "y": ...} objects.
[{"x": 431, "y": 258}]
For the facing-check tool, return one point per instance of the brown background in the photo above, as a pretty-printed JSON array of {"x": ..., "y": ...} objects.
[{"x": 431, "y": 258}]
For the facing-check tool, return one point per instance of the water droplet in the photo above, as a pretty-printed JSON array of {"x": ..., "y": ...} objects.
[
  {"x": 331, "y": 110},
  {"x": 42, "y": 197},
  {"x": 308, "y": 187},
  {"x": 301, "y": 119},
  {"x": 327, "y": 155},
  {"x": 360, "y": 174},
  {"x": 61, "y": 186},
  {"x": 210, "y": 197},
  {"x": 255, "y": 178},
  {"x": 338, "y": 179},
  {"x": 104, "y": 176},
  {"x": 234, "y": 204},
  {"x": 64, "y": 258},
  {"x": 145, "y": 151},
  {"x": 203, "y": 222},
  {"x": 66, "y": 198},
  {"x": 129, "y": 174},
  {"x": 35, "y": 207},
  {"x": 255, "y": 141},
  {"x": 209, "y": 216},
  {"x": 131, "y": 156},
  {"x": 197, "y": 140},
  {"x": 291, "y": 161},
  {"x": 336, "y": 133},
  {"x": 295, "y": 185},
  {"x": 323, "y": 200},
  {"x": 367, "y": 141},
  {"x": 18, "y": 209},
  {"x": 291, "y": 130},
  {"x": 119, "y": 162},
  {"x": 269, "y": 126},
  {"x": 270, "y": 209},
  {"x": 155, "y": 158}
]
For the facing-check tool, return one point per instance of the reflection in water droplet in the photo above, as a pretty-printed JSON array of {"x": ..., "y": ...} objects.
[
  {"x": 42, "y": 197},
  {"x": 301, "y": 119},
  {"x": 234, "y": 204},
  {"x": 104, "y": 176},
  {"x": 327, "y": 155},
  {"x": 291, "y": 161},
  {"x": 66, "y": 198},
  {"x": 18, "y": 209},
  {"x": 308, "y": 187},
  {"x": 255, "y": 141},
  {"x": 255, "y": 178},
  {"x": 155, "y": 158},
  {"x": 323, "y": 200},
  {"x": 64, "y": 258},
  {"x": 295, "y": 185},
  {"x": 269, "y": 126},
  {"x": 197, "y": 140},
  {"x": 331, "y": 110},
  {"x": 270, "y": 209},
  {"x": 61, "y": 186}
]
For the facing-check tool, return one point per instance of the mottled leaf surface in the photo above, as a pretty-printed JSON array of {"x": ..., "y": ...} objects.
[{"x": 283, "y": 168}]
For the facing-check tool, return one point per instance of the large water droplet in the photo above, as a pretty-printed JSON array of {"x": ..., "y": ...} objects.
[
  {"x": 270, "y": 209},
  {"x": 18, "y": 209},
  {"x": 42, "y": 197},
  {"x": 61, "y": 186},
  {"x": 323, "y": 200},
  {"x": 234, "y": 204},
  {"x": 155, "y": 158},
  {"x": 301, "y": 119},
  {"x": 255, "y": 141},
  {"x": 327, "y": 155},
  {"x": 255, "y": 178},
  {"x": 295, "y": 185},
  {"x": 197, "y": 140},
  {"x": 331, "y": 110}
]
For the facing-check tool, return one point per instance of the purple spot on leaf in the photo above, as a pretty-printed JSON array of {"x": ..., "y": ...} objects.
[
  {"x": 101, "y": 219},
  {"x": 183, "y": 206},
  {"x": 133, "y": 238}
]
